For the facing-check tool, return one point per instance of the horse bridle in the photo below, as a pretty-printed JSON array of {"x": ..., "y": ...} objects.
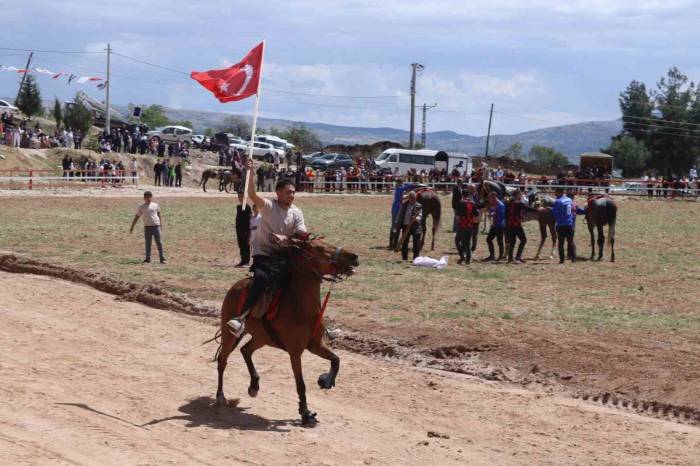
[{"x": 335, "y": 274}]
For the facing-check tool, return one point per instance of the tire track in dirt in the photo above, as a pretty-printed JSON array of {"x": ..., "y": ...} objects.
[{"x": 458, "y": 359}]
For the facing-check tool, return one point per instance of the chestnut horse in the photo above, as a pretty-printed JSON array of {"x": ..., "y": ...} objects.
[{"x": 296, "y": 326}]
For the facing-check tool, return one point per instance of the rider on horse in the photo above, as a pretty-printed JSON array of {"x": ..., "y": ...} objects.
[{"x": 280, "y": 220}]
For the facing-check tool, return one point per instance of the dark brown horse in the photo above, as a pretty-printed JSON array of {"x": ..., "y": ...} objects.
[
  {"x": 295, "y": 327},
  {"x": 431, "y": 206},
  {"x": 208, "y": 174},
  {"x": 601, "y": 211}
]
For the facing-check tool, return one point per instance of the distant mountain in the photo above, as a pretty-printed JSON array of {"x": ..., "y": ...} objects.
[{"x": 572, "y": 140}]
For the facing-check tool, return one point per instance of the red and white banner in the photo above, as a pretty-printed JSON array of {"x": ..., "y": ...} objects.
[{"x": 54, "y": 75}]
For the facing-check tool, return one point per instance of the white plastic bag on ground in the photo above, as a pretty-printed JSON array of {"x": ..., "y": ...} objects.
[{"x": 424, "y": 261}]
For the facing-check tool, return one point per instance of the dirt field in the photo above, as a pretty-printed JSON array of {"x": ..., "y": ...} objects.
[
  {"x": 628, "y": 329},
  {"x": 87, "y": 379}
]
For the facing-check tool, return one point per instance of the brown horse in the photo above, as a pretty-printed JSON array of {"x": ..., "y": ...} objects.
[
  {"x": 431, "y": 206},
  {"x": 208, "y": 174},
  {"x": 295, "y": 327}
]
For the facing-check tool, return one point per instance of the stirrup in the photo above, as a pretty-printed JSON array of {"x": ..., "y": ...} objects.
[{"x": 236, "y": 327}]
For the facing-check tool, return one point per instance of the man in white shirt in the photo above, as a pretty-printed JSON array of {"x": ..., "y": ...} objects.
[
  {"x": 152, "y": 225},
  {"x": 280, "y": 220}
]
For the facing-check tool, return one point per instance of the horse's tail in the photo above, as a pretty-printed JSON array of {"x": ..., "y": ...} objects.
[{"x": 217, "y": 338}]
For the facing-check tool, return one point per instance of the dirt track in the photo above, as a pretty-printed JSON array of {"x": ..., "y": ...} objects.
[{"x": 87, "y": 379}]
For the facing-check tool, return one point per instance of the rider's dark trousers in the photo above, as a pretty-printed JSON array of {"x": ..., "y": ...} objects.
[
  {"x": 495, "y": 232},
  {"x": 513, "y": 233},
  {"x": 566, "y": 232},
  {"x": 266, "y": 271}
]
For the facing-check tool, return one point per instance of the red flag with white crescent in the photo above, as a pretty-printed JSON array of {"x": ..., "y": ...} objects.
[{"x": 237, "y": 82}]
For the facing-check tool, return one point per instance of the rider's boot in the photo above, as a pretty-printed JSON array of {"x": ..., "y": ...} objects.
[{"x": 237, "y": 325}]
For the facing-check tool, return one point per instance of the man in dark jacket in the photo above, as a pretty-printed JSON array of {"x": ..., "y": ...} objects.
[
  {"x": 457, "y": 193},
  {"x": 243, "y": 231},
  {"x": 409, "y": 220}
]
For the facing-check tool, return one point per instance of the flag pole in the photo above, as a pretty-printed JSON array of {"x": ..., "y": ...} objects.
[{"x": 253, "y": 128}]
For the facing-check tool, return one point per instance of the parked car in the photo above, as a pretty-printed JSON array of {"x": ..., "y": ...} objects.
[
  {"x": 329, "y": 161},
  {"x": 261, "y": 150},
  {"x": 172, "y": 134},
  {"x": 312, "y": 156},
  {"x": 198, "y": 139},
  {"x": 629, "y": 187},
  {"x": 5, "y": 106}
]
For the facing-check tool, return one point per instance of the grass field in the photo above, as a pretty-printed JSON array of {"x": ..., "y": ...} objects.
[{"x": 614, "y": 325}]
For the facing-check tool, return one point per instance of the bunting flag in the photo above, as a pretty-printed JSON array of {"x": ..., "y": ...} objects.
[
  {"x": 101, "y": 86},
  {"x": 55, "y": 75}
]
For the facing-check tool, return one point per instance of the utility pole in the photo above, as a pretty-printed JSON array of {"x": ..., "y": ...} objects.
[
  {"x": 108, "y": 85},
  {"x": 422, "y": 134},
  {"x": 24, "y": 76},
  {"x": 414, "y": 68},
  {"x": 488, "y": 133}
]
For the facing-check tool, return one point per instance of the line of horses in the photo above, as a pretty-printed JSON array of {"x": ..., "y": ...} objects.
[{"x": 600, "y": 211}]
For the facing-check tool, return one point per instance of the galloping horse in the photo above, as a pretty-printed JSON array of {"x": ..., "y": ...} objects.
[
  {"x": 297, "y": 325},
  {"x": 601, "y": 211},
  {"x": 431, "y": 206}
]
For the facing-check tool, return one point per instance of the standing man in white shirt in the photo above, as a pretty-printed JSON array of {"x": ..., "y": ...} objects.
[{"x": 152, "y": 225}]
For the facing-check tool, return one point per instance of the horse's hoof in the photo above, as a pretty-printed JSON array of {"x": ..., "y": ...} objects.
[
  {"x": 326, "y": 382},
  {"x": 252, "y": 392},
  {"x": 220, "y": 400},
  {"x": 308, "y": 419}
]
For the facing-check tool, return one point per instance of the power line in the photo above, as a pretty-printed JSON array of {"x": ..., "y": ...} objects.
[
  {"x": 661, "y": 120},
  {"x": 396, "y": 96},
  {"x": 279, "y": 91},
  {"x": 150, "y": 64},
  {"x": 49, "y": 51}
]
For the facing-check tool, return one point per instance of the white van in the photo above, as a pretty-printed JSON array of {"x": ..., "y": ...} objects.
[
  {"x": 276, "y": 142},
  {"x": 424, "y": 159}
]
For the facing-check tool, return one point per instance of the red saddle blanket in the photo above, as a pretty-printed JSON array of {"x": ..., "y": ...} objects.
[
  {"x": 271, "y": 312},
  {"x": 594, "y": 197}
]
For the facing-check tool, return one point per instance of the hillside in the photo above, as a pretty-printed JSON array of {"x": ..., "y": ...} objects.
[{"x": 572, "y": 140}]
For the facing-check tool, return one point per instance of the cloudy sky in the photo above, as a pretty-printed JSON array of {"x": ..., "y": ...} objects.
[{"x": 541, "y": 62}]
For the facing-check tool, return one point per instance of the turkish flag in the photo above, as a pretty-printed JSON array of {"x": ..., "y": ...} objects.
[{"x": 237, "y": 82}]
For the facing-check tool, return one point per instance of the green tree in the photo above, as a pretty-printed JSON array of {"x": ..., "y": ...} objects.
[
  {"x": 237, "y": 126},
  {"x": 154, "y": 116},
  {"x": 636, "y": 106},
  {"x": 209, "y": 132},
  {"x": 302, "y": 137},
  {"x": 78, "y": 116},
  {"x": 673, "y": 143},
  {"x": 185, "y": 123},
  {"x": 29, "y": 101},
  {"x": 547, "y": 157},
  {"x": 630, "y": 155},
  {"x": 514, "y": 151},
  {"x": 57, "y": 113}
]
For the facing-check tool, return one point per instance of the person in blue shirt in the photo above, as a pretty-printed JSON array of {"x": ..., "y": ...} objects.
[
  {"x": 497, "y": 209},
  {"x": 564, "y": 213},
  {"x": 399, "y": 191}
]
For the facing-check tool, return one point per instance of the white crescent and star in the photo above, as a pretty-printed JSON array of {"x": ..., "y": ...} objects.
[{"x": 224, "y": 85}]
